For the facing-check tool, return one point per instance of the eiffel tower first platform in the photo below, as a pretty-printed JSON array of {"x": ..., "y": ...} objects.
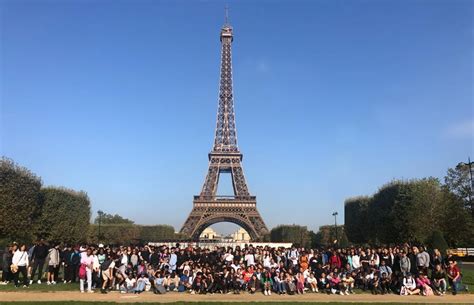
[{"x": 225, "y": 157}]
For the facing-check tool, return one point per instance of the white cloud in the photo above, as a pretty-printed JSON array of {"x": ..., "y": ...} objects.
[{"x": 463, "y": 129}]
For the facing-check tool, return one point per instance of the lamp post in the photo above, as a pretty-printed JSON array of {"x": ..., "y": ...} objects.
[
  {"x": 335, "y": 227},
  {"x": 471, "y": 186},
  {"x": 100, "y": 220}
]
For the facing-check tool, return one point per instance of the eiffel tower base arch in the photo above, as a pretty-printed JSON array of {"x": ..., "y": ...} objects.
[{"x": 204, "y": 215}]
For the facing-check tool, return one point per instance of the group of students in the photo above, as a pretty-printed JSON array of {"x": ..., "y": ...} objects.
[{"x": 400, "y": 270}]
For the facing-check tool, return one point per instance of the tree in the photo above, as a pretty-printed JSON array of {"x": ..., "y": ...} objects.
[
  {"x": 355, "y": 218},
  {"x": 437, "y": 241},
  {"x": 65, "y": 215},
  {"x": 106, "y": 219},
  {"x": 326, "y": 236},
  {"x": 114, "y": 234},
  {"x": 380, "y": 221},
  {"x": 298, "y": 235},
  {"x": 19, "y": 201},
  {"x": 458, "y": 181},
  {"x": 156, "y": 233},
  {"x": 455, "y": 222}
]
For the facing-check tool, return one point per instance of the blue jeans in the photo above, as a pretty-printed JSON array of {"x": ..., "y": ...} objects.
[
  {"x": 140, "y": 287},
  {"x": 455, "y": 285}
]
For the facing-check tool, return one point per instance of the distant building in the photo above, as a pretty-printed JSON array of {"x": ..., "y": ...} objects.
[
  {"x": 209, "y": 233},
  {"x": 240, "y": 235}
]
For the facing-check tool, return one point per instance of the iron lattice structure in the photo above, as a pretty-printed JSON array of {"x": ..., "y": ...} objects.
[{"x": 225, "y": 157}]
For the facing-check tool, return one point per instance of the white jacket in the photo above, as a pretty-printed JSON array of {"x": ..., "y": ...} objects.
[{"x": 20, "y": 258}]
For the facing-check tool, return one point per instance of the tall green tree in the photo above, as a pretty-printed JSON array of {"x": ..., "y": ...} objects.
[
  {"x": 355, "y": 218},
  {"x": 65, "y": 215},
  {"x": 455, "y": 222},
  {"x": 19, "y": 201},
  {"x": 458, "y": 181}
]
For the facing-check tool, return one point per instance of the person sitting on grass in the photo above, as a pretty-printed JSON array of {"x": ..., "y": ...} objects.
[
  {"x": 409, "y": 286},
  {"x": 438, "y": 279},
  {"x": 267, "y": 282},
  {"x": 424, "y": 283},
  {"x": 253, "y": 284},
  {"x": 312, "y": 282},
  {"x": 375, "y": 284},
  {"x": 141, "y": 284},
  {"x": 385, "y": 282}
]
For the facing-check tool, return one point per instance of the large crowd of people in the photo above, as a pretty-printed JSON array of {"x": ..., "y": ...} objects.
[{"x": 404, "y": 270}]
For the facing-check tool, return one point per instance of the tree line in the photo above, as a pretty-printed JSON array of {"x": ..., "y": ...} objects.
[
  {"x": 31, "y": 211},
  {"x": 418, "y": 210},
  {"x": 327, "y": 235}
]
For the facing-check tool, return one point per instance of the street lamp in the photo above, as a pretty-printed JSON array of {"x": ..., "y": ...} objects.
[
  {"x": 469, "y": 163},
  {"x": 100, "y": 220},
  {"x": 335, "y": 226}
]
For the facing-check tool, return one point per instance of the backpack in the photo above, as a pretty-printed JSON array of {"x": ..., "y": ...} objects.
[
  {"x": 82, "y": 272},
  {"x": 105, "y": 265}
]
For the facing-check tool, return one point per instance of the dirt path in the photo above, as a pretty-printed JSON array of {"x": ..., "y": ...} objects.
[{"x": 173, "y": 297}]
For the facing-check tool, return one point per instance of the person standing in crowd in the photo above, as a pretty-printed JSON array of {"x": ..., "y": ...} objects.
[
  {"x": 107, "y": 268},
  {"x": 66, "y": 255},
  {"x": 7, "y": 258},
  {"x": 54, "y": 261},
  {"x": 423, "y": 261},
  {"x": 405, "y": 263},
  {"x": 85, "y": 270},
  {"x": 39, "y": 257},
  {"x": 20, "y": 264},
  {"x": 6, "y": 263},
  {"x": 75, "y": 264}
]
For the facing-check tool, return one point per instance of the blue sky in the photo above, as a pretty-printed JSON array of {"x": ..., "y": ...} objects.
[{"x": 332, "y": 98}]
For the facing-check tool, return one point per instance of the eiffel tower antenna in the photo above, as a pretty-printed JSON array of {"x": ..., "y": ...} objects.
[{"x": 226, "y": 10}]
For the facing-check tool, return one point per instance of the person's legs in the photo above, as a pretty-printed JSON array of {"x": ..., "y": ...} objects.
[
  {"x": 15, "y": 277},
  {"x": 56, "y": 273},
  {"x": 5, "y": 277},
  {"x": 443, "y": 285},
  {"x": 39, "y": 263},
  {"x": 89, "y": 279},
  {"x": 49, "y": 275},
  {"x": 24, "y": 273}
]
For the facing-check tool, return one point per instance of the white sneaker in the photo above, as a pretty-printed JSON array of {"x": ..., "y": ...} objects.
[
  {"x": 90, "y": 291},
  {"x": 82, "y": 291},
  {"x": 39, "y": 282},
  {"x": 269, "y": 292},
  {"x": 64, "y": 281},
  {"x": 53, "y": 283},
  {"x": 31, "y": 282},
  {"x": 333, "y": 291},
  {"x": 265, "y": 292},
  {"x": 341, "y": 293},
  {"x": 48, "y": 283}
]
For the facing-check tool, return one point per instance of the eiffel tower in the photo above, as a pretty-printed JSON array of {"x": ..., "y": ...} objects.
[{"x": 225, "y": 157}]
